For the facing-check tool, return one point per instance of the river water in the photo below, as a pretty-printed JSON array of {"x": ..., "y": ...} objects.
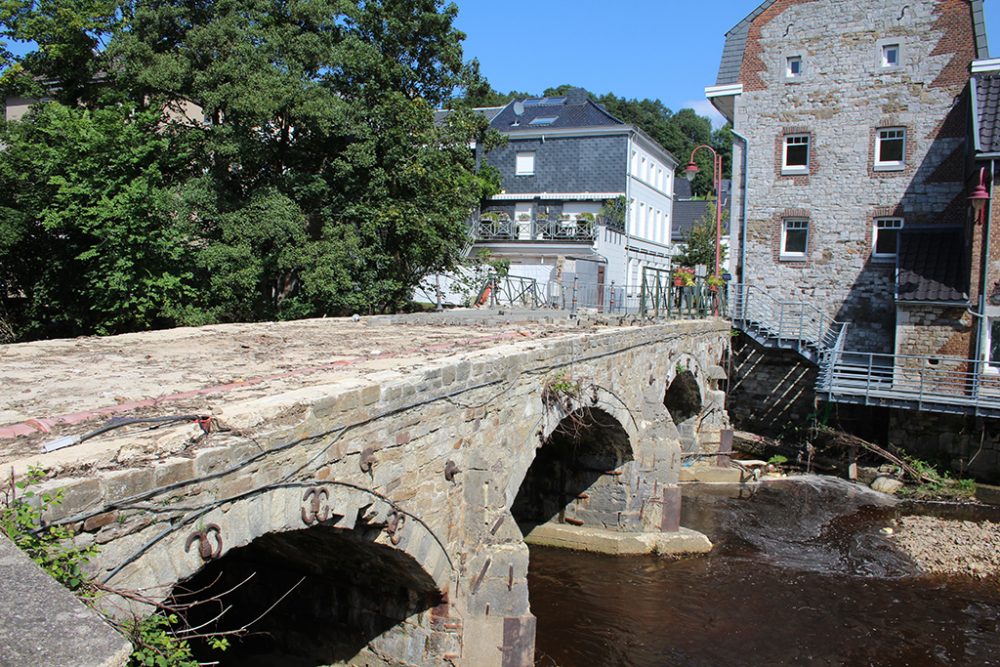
[{"x": 800, "y": 575}]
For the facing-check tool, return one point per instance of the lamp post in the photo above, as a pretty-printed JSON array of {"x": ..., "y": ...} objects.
[{"x": 689, "y": 172}]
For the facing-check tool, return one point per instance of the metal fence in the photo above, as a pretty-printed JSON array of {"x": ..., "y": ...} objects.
[{"x": 656, "y": 299}]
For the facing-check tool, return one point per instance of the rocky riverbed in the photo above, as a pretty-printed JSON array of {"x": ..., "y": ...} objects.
[{"x": 941, "y": 546}]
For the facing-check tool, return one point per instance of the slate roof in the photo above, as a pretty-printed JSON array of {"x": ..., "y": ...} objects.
[
  {"x": 489, "y": 112},
  {"x": 736, "y": 40},
  {"x": 987, "y": 111},
  {"x": 575, "y": 109},
  {"x": 687, "y": 213},
  {"x": 930, "y": 265}
]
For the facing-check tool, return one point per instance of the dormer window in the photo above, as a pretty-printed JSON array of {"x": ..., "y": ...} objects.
[
  {"x": 793, "y": 67},
  {"x": 890, "y": 55}
]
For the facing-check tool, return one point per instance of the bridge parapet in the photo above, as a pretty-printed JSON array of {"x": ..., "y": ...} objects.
[{"x": 402, "y": 476}]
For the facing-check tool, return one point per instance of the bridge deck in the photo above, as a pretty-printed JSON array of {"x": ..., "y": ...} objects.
[{"x": 51, "y": 389}]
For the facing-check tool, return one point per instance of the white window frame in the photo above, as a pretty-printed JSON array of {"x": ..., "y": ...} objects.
[
  {"x": 524, "y": 163},
  {"x": 790, "y": 69},
  {"x": 796, "y": 140},
  {"x": 794, "y": 224},
  {"x": 888, "y": 48},
  {"x": 885, "y": 223},
  {"x": 889, "y": 165},
  {"x": 989, "y": 366}
]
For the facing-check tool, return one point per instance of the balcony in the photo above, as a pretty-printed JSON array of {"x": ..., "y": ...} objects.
[{"x": 534, "y": 229}]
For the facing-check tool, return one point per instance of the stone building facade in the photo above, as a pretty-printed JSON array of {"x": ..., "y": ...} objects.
[{"x": 854, "y": 117}]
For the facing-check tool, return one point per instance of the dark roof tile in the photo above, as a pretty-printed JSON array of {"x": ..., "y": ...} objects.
[
  {"x": 574, "y": 109},
  {"x": 930, "y": 265},
  {"x": 988, "y": 111}
]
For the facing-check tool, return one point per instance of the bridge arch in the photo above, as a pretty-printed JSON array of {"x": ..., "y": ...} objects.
[
  {"x": 177, "y": 553},
  {"x": 574, "y": 476}
]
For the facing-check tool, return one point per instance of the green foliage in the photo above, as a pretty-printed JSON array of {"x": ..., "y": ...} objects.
[
  {"x": 561, "y": 390},
  {"x": 778, "y": 459},
  {"x": 157, "y": 646},
  {"x": 613, "y": 212},
  {"x": 51, "y": 547},
  {"x": 88, "y": 239},
  {"x": 700, "y": 246},
  {"x": 936, "y": 485},
  {"x": 246, "y": 160}
]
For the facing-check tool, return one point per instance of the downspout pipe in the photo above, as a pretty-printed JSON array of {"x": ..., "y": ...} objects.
[
  {"x": 743, "y": 208},
  {"x": 628, "y": 206},
  {"x": 984, "y": 265}
]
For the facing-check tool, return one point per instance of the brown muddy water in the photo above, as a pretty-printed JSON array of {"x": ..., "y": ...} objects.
[{"x": 799, "y": 576}]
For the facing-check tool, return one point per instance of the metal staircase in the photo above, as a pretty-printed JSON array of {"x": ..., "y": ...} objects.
[{"x": 926, "y": 383}]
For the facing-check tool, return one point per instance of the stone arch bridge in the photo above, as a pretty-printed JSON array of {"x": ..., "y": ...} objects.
[{"x": 371, "y": 479}]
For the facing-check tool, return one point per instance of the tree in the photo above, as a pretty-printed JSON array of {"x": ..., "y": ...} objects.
[
  {"x": 88, "y": 243},
  {"x": 287, "y": 149},
  {"x": 700, "y": 246}
]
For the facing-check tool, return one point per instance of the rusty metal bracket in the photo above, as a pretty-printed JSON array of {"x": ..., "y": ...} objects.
[
  {"x": 394, "y": 526},
  {"x": 367, "y": 459},
  {"x": 450, "y": 470},
  {"x": 205, "y": 549},
  {"x": 315, "y": 512}
]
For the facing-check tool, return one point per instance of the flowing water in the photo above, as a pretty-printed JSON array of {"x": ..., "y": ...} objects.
[{"x": 800, "y": 575}]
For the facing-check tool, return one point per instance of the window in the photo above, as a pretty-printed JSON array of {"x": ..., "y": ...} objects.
[
  {"x": 635, "y": 162},
  {"x": 885, "y": 238},
  {"x": 890, "y": 55},
  {"x": 793, "y": 67},
  {"x": 546, "y": 120},
  {"x": 890, "y": 148},
  {"x": 794, "y": 238},
  {"x": 992, "y": 347},
  {"x": 525, "y": 163},
  {"x": 796, "y": 154}
]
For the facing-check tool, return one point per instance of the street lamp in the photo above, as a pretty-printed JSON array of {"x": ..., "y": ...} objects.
[{"x": 690, "y": 172}]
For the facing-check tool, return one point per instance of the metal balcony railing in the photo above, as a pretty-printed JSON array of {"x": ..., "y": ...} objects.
[
  {"x": 505, "y": 229},
  {"x": 935, "y": 384}
]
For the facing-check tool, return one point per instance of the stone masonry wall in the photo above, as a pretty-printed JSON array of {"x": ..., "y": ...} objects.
[
  {"x": 933, "y": 330},
  {"x": 965, "y": 445},
  {"x": 771, "y": 392},
  {"x": 426, "y": 463},
  {"x": 842, "y": 97}
]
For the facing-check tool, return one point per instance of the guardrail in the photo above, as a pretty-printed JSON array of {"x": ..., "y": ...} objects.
[{"x": 938, "y": 384}]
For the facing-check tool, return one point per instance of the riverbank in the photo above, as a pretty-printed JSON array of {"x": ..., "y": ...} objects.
[{"x": 941, "y": 546}]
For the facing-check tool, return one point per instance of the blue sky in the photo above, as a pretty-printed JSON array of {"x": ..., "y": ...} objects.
[{"x": 666, "y": 49}]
